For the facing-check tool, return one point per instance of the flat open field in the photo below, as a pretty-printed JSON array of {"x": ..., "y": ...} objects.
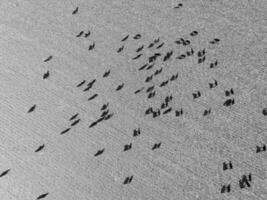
[{"x": 133, "y": 99}]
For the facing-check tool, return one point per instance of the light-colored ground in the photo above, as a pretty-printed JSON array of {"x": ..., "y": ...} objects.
[{"x": 189, "y": 163}]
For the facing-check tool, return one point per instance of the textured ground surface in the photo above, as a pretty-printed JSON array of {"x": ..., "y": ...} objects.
[{"x": 190, "y": 125}]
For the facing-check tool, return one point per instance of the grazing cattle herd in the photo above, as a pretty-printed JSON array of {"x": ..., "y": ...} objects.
[{"x": 178, "y": 81}]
